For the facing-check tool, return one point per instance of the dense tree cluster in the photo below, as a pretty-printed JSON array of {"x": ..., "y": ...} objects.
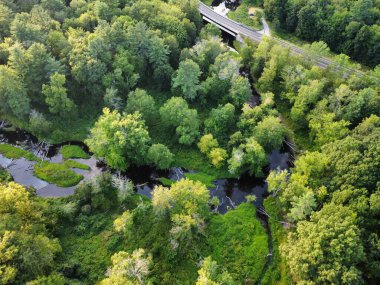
[
  {"x": 351, "y": 27},
  {"x": 331, "y": 193},
  {"x": 63, "y": 61}
]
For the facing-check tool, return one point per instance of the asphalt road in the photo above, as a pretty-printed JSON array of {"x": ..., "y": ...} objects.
[{"x": 245, "y": 31}]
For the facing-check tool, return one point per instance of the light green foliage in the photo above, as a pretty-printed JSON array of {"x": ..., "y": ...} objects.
[
  {"x": 129, "y": 268},
  {"x": 207, "y": 143},
  {"x": 240, "y": 90},
  {"x": 186, "y": 203},
  {"x": 270, "y": 133},
  {"x": 8, "y": 252},
  {"x": 302, "y": 206},
  {"x": 325, "y": 129},
  {"x": 73, "y": 151},
  {"x": 53, "y": 278},
  {"x": 210, "y": 273},
  {"x": 218, "y": 156},
  {"x": 187, "y": 79},
  {"x": 56, "y": 95},
  {"x": 249, "y": 156},
  {"x": 139, "y": 100},
  {"x": 251, "y": 198},
  {"x": 277, "y": 181},
  {"x": 236, "y": 227},
  {"x": 56, "y": 173},
  {"x": 75, "y": 164},
  {"x": 331, "y": 237},
  {"x": 207, "y": 180},
  {"x": 119, "y": 139},
  {"x": 124, "y": 222},
  {"x": 209, "y": 146},
  {"x": 175, "y": 112},
  {"x": 13, "y": 152},
  {"x": 26, "y": 251},
  {"x": 160, "y": 156}
]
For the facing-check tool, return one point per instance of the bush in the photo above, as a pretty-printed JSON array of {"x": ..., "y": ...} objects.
[
  {"x": 73, "y": 151},
  {"x": 58, "y": 174},
  {"x": 160, "y": 156}
]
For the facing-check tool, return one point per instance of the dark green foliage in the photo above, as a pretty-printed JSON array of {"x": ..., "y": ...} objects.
[{"x": 350, "y": 27}]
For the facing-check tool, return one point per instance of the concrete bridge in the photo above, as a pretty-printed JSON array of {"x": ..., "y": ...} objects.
[{"x": 239, "y": 31}]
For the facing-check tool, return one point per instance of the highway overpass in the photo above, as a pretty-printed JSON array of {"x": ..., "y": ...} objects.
[{"x": 239, "y": 30}]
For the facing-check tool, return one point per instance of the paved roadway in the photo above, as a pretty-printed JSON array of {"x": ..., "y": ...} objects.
[{"x": 238, "y": 29}]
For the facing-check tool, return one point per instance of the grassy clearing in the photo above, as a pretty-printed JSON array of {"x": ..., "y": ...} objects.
[
  {"x": 191, "y": 158},
  {"x": 13, "y": 152},
  {"x": 75, "y": 164},
  {"x": 165, "y": 181},
  {"x": 73, "y": 151},
  {"x": 58, "y": 174},
  {"x": 202, "y": 177},
  {"x": 238, "y": 241},
  {"x": 241, "y": 15},
  {"x": 277, "y": 273}
]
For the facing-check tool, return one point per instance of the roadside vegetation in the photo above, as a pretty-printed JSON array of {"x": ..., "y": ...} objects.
[{"x": 249, "y": 14}]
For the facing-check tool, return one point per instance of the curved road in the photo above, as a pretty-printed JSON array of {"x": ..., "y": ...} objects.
[{"x": 239, "y": 29}]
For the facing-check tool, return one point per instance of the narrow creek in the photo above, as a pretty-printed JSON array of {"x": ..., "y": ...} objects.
[{"x": 230, "y": 192}]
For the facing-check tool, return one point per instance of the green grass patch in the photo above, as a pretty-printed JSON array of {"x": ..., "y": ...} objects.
[
  {"x": 277, "y": 272},
  {"x": 58, "y": 174},
  {"x": 165, "y": 181},
  {"x": 239, "y": 243},
  {"x": 13, "y": 152},
  {"x": 202, "y": 177},
  {"x": 241, "y": 15},
  {"x": 73, "y": 151},
  {"x": 191, "y": 158},
  {"x": 75, "y": 164}
]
